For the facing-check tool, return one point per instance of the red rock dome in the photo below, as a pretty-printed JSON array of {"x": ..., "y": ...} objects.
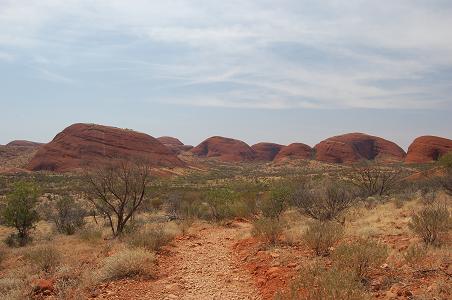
[
  {"x": 224, "y": 149},
  {"x": 266, "y": 151},
  {"x": 426, "y": 149},
  {"x": 87, "y": 145},
  {"x": 353, "y": 147},
  {"x": 294, "y": 151}
]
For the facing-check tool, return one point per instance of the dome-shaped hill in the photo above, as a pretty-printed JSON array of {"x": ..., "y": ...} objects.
[
  {"x": 353, "y": 147},
  {"x": 294, "y": 151},
  {"x": 174, "y": 144},
  {"x": 427, "y": 149},
  {"x": 224, "y": 149},
  {"x": 87, "y": 145},
  {"x": 266, "y": 151}
]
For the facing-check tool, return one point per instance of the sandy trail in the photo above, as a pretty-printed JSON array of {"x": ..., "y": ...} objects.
[{"x": 200, "y": 266}]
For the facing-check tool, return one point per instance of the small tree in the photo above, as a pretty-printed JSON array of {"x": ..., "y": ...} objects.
[
  {"x": 371, "y": 179},
  {"x": 67, "y": 214},
  {"x": 20, "y": 211},
  {"x": 118, "y": 190}
]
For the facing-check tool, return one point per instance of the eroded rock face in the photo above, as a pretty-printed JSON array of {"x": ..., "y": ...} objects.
[
  {"x": 353, "y": 147},
  {"x": 266, "y": 151},
  {"x": 82, "y": 146},
  {"x": 294, "y": 151},
  {"x": 428, "y": 148},
  {"x": 174, "y": 144},
  {"x": 224, "y": 149}
]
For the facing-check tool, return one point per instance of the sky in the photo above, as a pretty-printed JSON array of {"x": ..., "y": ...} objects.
[{"x": 277, "y": 71}]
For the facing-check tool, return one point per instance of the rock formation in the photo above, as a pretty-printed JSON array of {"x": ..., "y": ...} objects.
[
  {"x": 88, "y": 145},
  {"x": 426, "y": 149},
  {"x": 294, "y": 151},
  {"x": 353, "y": 147},
  {"x": 266, "y": 151},
  {"x": 224, "y": 149}
]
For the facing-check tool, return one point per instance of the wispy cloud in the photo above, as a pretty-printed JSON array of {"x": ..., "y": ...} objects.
[{"x": 268, "y": 54}]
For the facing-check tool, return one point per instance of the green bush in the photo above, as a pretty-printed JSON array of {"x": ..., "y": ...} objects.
[
  {"x": 431, "y": 223},
  {"x": 268, "y": 228},
  {"x": 225, "y": 204},
  {"x": 446, "y": 160},
  {"x": 45, "y": 258},
  {"x": 126, "y": 263},
  {"x": 321, "y": 236},
  {"x": 150, "y": 239},
  {"x": 360, "y": 256},
  {"x": 273, "y": 205},
  {"x": 20, "y": 211}
]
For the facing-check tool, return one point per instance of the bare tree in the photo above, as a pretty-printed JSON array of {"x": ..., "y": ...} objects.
[
  {"x": 372, "y": 179},
  {"x": 118, "y": 190}
]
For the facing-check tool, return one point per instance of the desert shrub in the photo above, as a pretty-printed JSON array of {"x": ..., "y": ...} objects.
[
  {"x": 373, "y": 179},
  {"x": 324, "y": 203},
  {"x": 67, "y": 214},
  {"x": 150, "y": 239},
  {"x": 224, "y": 204},
  {"x": 360, "y": 256},
  {"x": 268, "y": 228},
  {"x": 415, "y": 254},
  {"x": 11, "y": 288},
  {"x": 319, "y": 283},
  {"x": 446, "y": 160},
  {"x": 273, "y": 205},
  {"x": 90, "y": 234},
  {"x": 431, "y": 223},
  {"x": 321, "y": 236},
  {"x": 126, "y": 263},
  {"x": 20, "y": 212},
  {"x": 45, "y": 258}
]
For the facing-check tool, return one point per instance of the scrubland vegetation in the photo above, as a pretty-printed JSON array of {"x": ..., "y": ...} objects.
[{"x": 353, "y": 232}]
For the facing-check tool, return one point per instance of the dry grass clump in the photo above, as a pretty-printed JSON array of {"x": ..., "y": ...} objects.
[
  {"x": 431, "y": 223},
  {"x": 320, "y": 283},
  {"x": 126, "y": 263},
  {"x": 45, "y": 258},
  {"x": 11, "y": 288},
  {"x": 268, "y": 228},
  {"x": 90, "y": 234},
  {"x": 3, "y": 254},
  {"x": 150, "y": 239},
  {"x": 321, "y": 236},
  {"x": 359, "y": 257},
  {"x": 415, "y": 254}
]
